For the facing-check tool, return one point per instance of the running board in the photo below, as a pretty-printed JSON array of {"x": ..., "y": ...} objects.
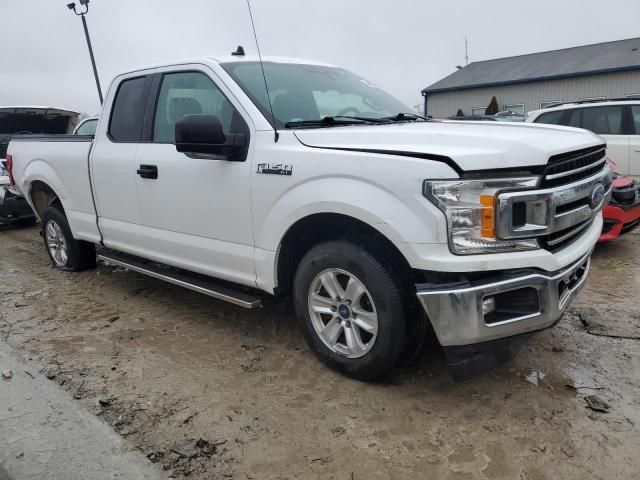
[{"x": 192, "y": 281}]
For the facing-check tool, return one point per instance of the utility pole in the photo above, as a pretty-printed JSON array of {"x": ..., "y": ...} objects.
[
  {"x": 81, "y": 14},
  {"x": 466, "y": 50}
]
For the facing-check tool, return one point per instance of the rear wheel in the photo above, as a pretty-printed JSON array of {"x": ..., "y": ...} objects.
[
  {"x": 352, "y": 308},
  {"x": 65, "y": 252}
]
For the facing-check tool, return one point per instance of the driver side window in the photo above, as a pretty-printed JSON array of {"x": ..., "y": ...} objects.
[{"x": 190, "y": 93}]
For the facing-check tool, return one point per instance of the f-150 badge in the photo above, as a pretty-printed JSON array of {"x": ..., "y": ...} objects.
[{"x": 275, "y": 169}]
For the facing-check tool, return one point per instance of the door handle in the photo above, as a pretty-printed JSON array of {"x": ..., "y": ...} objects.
[
  {"x": 148, "y": 171},
  {"x": 637, "y": 150}
]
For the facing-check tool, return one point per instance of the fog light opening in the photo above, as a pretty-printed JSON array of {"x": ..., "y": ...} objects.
[
  {"x": 511, "y": 305},
  {"x": 488, "y": 305}
]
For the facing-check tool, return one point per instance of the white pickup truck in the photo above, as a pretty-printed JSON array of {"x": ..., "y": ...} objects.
[{"x": 382, "y": 225}]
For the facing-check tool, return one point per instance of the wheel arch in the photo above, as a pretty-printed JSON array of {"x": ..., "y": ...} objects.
[
  {"x": 42, "y": 195},
  {"x": 42, "y": 186},
  {"x": 317, "y": 228}
]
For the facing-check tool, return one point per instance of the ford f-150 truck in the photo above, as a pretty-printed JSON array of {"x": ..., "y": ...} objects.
[{"x": 382, "y": 225}]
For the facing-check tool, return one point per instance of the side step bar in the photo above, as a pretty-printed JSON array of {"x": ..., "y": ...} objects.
[{"x": 192, "y": 281}]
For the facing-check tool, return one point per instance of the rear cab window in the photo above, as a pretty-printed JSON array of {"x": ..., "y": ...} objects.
[{"x": 127, "y": 113}]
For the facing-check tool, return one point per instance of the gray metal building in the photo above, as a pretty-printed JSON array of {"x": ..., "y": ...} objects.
[{"x": 529, "y": 82}]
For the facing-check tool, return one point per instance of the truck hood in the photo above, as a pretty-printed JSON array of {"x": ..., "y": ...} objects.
[
  {"x": 38, "y": 120},
  {"x": 471, "y": 145}
]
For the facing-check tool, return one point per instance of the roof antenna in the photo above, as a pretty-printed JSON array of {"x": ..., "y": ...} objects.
[
  {"x": 273, "y": 118},
  {"x": 239, "y": 52}
]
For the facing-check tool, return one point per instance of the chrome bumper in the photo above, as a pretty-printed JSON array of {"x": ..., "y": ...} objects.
[{"x": 462, "y": 315}]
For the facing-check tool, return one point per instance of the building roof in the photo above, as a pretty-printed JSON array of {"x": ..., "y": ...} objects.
[{"x": 569, "y": 62}]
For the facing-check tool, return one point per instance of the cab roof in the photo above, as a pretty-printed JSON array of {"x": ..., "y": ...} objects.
[{"x": 221, "y": 59}]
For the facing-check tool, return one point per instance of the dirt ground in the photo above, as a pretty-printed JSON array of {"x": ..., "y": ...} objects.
[{"x": 210, "y": 390}]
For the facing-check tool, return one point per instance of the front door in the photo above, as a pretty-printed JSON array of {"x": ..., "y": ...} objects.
[{"x": 196, "y": 212}]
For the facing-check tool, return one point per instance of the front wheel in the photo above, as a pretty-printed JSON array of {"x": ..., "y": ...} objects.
[
  {"x": 65, "y": 252},
  {"x": 352, "y": 308}
]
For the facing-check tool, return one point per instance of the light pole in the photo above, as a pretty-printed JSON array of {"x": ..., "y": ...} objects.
[{"x": 81, "y": 14}]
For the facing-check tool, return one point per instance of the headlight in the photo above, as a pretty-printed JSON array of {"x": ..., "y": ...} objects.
[{"x": 470, "y": 208}]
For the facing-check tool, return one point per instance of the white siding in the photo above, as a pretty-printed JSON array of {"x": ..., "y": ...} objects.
[{"x": 610, "y": 85}]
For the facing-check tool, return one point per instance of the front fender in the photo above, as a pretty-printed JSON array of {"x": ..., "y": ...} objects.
[{"x": 401, "y": 220}]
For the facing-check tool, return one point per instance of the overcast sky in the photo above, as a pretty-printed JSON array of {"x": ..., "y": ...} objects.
[{"x": 402, "y": 45}]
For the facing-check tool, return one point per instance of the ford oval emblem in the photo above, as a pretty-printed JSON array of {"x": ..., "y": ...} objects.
[{"x": 597, "y": 195}]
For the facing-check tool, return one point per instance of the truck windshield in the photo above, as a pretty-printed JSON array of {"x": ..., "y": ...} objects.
[{"x": 308, "y": 93}]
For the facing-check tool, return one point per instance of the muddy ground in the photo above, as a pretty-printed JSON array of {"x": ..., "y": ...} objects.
[{"x": 209, "y": 390}]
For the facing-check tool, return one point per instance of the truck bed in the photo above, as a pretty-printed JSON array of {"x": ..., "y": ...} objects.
[{"x": 64, "y": 158}]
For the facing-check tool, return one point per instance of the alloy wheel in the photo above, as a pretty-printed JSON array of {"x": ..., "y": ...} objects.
[
  {"x": 343, "y": 313},
  {"x": 56, "y": 243}
]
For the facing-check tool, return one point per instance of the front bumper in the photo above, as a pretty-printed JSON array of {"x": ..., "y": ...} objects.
[
  {"x": 618, "y": 220},
  {"x": 523, "y": 302},
  {"x": 623, "y": 212}
]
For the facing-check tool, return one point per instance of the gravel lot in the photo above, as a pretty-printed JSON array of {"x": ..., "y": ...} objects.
[{"x": 209, "y": 390}]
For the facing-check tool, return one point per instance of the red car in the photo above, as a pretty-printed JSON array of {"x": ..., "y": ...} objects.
[{"x": 623, "y": 212}]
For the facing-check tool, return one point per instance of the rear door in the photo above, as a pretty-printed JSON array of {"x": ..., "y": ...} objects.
[
  {"x": 608, "y": 122},
  {"x": 196, "y": 212},
  {"x": 113, "y": 163}
]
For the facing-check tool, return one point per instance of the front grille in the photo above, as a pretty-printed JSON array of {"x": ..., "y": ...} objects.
[
  {"x": 559, "y": 213},
  {"x": 559, "y": 240},
  {"x": 574, "y": 166}
]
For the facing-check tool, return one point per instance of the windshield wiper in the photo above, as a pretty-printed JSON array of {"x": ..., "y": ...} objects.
[
  {"x": 403, "y": 117},
  {"x": 331, "y": 121},
  {"x": 362, "y": 119}
]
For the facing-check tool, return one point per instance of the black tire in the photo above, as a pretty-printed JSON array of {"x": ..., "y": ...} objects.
[
  {"x": 387, "y": 292},
  {"x": 81, "y": 255}
]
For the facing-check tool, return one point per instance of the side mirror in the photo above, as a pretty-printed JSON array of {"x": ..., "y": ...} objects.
[
  {"x": 202, "y": 135},
  {"x": 198, "y": 130}
]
